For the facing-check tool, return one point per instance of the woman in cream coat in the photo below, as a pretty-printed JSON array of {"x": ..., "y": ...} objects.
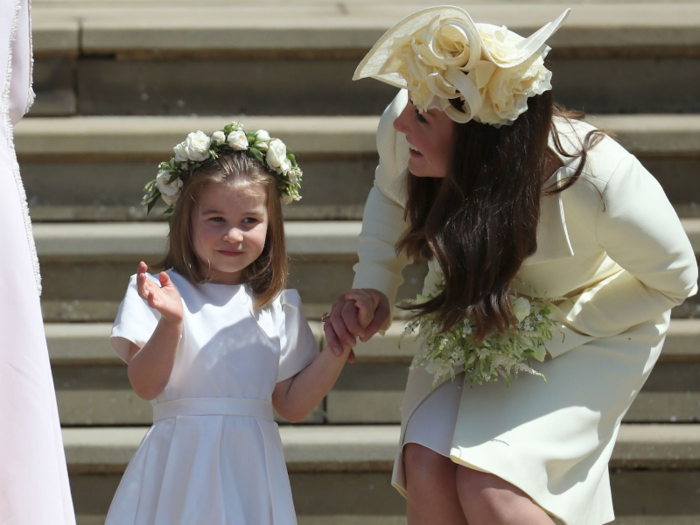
[{"x": 535, "y": 452}]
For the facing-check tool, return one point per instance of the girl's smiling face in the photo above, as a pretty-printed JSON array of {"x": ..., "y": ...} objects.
[
  {"x": 229, "y": 227},
  {"x": 431, "y": 136}
]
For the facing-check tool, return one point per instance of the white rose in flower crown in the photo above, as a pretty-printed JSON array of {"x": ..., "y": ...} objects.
[
  {"x": 170, "y": 200},
  {"x": 237, "y": 140},
  {"x": 169, "y": 191},
  {"x": 164, "y": 186},
  {"x": 521, "y": 308},
  {"x": 262, "y": 139},
  {"x": 277, "y": 155},
  {"x": 218, "y": 138},
  {"x": 294, "y": 174},
  {"x": 197, "y": 146},
  {"x": 181, "y": 152},
  {"x": 286, "y": 199}
]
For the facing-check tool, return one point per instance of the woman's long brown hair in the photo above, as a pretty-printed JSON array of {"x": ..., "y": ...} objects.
[
  {"x": 480, "y": 221},
  {"x": 267, "y": 275}
]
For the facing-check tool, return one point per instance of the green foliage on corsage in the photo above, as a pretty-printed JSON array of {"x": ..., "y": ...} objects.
[{"x": 498, "y": 356}]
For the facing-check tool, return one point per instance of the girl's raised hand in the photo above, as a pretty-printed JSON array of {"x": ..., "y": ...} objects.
[{"x": 164, "y": 298}]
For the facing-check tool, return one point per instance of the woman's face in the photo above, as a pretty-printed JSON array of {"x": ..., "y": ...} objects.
[{"x": 430, "y": 135}]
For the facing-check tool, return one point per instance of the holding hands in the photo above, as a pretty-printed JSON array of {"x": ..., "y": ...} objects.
[
  {"x": 358, "y": 313},
  {"x": 164, "y": 298}
]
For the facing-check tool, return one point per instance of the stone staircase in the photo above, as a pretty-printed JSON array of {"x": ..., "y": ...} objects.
[{"x": 120, "y": 82}]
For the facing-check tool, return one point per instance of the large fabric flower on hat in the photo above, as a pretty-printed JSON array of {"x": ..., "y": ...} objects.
[{"x": 440, "y": 54}]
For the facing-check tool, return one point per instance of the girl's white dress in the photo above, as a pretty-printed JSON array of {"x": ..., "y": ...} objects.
[{"x": 213, "y": 454}]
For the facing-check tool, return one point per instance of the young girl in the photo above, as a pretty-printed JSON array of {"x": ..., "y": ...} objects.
[{"x": 215, "y": 342}]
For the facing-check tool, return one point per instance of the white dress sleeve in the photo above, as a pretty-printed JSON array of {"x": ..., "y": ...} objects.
[
  {"x": 135, "y": 322},
  {"x": 298, "y": 346}
]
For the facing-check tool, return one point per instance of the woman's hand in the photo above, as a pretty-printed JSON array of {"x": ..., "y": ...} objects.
[
  {"x": 165, "y": 298},
  {"x": 358, "y": 313}
]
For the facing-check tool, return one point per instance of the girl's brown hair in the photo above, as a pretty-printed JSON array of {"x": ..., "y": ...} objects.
[
  {"x": 480, "y": 221},
  {"x": 267, "y": 275}
]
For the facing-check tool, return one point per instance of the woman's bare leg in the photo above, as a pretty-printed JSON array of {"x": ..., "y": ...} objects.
[
  {"x": 488, "y": 500},
  {"x": 432, "y": 489}
]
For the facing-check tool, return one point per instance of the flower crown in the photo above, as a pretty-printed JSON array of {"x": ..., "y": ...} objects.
[{"x": 199, "y": 147}]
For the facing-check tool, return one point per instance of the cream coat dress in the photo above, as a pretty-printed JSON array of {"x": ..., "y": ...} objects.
[{"x": 614, "y": 246}]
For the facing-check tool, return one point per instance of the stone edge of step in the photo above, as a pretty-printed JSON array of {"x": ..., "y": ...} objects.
[
  {"x": 91, "y": 29},
  {"x": 103, "y": 241},
  {"x": 118, "y": 240},
  {"x": 86, "y": 344},
  {"x": 133, "y": 137},
  {"x": 372, "y": 448}
]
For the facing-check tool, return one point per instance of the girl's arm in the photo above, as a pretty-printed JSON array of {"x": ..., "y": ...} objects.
[
  {"x": 296, "y": 397},
  {"x": 150, "y": 367}
]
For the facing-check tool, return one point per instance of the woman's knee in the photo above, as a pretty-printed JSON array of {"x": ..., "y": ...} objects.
[
  {"x": 487, "y": 490},
  {"x": 424, "y": 466}
]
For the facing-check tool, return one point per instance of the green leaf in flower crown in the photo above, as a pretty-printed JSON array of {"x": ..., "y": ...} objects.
[
  {"x": 228, "y": 128},
  {"x": 156, "y": 196},
  {"x": 257, "y": 154},
  {"x": 164, "y": 166},
  {"x": 291, "y": 157},
  {"x": 213, "y": 153}
]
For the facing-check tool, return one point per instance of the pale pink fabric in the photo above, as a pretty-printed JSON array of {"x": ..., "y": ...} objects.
[{"x": 33, "y": 476}]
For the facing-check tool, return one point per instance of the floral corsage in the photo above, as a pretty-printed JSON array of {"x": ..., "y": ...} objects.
[
  {"x": 199, "y": 147},
  {"x": 497, "y": 356}
]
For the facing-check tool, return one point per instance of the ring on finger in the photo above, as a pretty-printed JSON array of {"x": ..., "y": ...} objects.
[{"x": 325, "y": 317}]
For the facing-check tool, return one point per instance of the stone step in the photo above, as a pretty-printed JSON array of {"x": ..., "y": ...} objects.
[
  {"x": 108, "y": 28},
  {"x": 344, "y": 471},
  {"x": 613, "y": 49},
  {"x": 85, "y": 267},
  {"x": 94, "y": 168},
  {"x": 371, "y": 448},
  {"x": 91, "y": 391},
  {"x": 347, "y": 403},
  {"x": 373, "y": 394},
  {"x": 87, "y": 344}
]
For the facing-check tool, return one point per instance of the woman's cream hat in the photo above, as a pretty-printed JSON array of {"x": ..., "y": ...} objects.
[{"x": 440, "y": 54}]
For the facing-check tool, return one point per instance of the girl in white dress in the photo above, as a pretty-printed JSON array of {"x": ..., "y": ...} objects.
[{"x": 215, "y": 342}]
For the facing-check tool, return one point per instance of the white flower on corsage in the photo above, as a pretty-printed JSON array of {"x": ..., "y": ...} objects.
[
  {"x": 198, "y": 147},
  {"x": 497, "y": 356},
  {"x": 521, "y": 308}
]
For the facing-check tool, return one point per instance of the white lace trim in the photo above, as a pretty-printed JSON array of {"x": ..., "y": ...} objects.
[{"x": 10, "y": 138}]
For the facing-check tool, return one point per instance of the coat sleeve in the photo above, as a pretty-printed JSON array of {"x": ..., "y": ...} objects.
[
  {"x": 379, "y": 266},
  {"x": 640, "y": 231}
]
